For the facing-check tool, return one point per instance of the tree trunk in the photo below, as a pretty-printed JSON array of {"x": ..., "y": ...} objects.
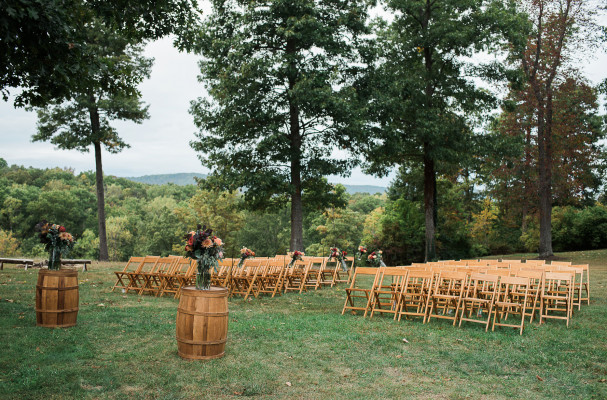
[
  {"x": 95, "y": 128},
  {"x": 526, "y": 181},
  {"x": 430, "y": 205},
  {"x": 545, "y": 177},
  {"x": 296, "y": 141}
]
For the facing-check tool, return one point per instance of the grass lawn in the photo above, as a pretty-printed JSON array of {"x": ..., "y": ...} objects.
[{"x": 294, "y": 346}]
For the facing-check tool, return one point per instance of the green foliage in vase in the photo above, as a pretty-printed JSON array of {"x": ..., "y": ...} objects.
[{"x": 279, "y": 75}]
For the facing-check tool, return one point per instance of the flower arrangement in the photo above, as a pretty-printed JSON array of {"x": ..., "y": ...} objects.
[
  {"x": 57, "y": 242},
  {"x": 374, "y": 259},
  {"x": 297, "y": 255},
  {"x": 339, "y": 256},
  {"x": 206, "y": 249},
  {"x": 361, "y": 251},
  {"x": 244, "y": 254}
]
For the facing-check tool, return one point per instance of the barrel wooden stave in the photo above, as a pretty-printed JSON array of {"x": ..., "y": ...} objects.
[
  {"x": 57, "y": 298},
  {"x": 202, "y": 323}
]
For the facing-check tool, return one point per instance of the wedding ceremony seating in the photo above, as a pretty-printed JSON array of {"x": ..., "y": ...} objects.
[{"x": 502, "y": 293}]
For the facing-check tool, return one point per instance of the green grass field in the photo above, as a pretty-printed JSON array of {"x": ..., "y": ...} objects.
[{"x": 295, "y": 346}]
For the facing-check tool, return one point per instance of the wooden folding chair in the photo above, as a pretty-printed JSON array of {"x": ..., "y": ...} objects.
[
  {"x": 479, "y": 298},
  {"x": 363, "y": 281},
  {"x": 152, "y": 280},
  {"x": 273, "y": 279},
  {"x": 585, "y": 282},
  {"x": 132, "y": 265},
  {"x": 182, "y": 274},
  {"x": 557, "y": 296},
  {"x": 295, "y": 276},
  {"x": 313, "y": 273},
  {"x": 341, "y": 276},
  {"x": 136, "y": 280},
  {"x": 536, "y": 281},
  {"x": 244, "y": 279},
  {"x": 578, "y": 282},
  {"x": 386, "y": 293},
  {"x": 445, "y": 298},
  {"x": 512, "y": 299},
  {"x": 414, "y": 294}
]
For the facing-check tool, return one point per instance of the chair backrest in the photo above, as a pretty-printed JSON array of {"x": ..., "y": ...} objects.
[
  {"x": 561, "y": 263},
  {"x": 481, "y": 283},
  {"x": 397, "y": 275},
  {"x": 149, "y": 264},
  {"x": 535, "y": 262},
  {"x": 133, "y": 264},
  {"x": 363, "y": 271}
]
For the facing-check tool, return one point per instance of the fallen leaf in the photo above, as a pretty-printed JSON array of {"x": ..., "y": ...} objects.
[
  {"x": 458, "y": 340},
  {"x": 100, "y": 305},
  {"x": 399, "y": 356},
  {"x": 238, "y": 393},
  {"x": 10, "y": 300},
  {"x": 288, "y": 384},
  {"x": 539, "y": 378},
  {"x": 603, "y": 380},
  {"x": 405, "y": 340}
]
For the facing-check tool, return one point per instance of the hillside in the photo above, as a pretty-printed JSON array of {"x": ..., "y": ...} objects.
[{"x": 187, "y": 178}]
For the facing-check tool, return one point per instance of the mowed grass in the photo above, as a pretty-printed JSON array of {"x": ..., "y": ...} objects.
[{"x": 294, "y": 346}]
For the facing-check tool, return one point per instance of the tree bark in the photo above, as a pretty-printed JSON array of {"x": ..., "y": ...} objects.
[
  {"x": 296, "y": 242},
  {"x": 545, "y": 177},
  {"x": 95, "y": 128},
  {"x": 430, "y": 205}
]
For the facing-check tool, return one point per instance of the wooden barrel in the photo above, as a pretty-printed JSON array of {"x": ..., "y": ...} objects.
[
  {"x": 202, "y": 323},
  {"x": 57, "y": 298}
]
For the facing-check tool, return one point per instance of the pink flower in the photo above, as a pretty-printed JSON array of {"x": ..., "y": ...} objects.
[{"x": 217, "y": 241}]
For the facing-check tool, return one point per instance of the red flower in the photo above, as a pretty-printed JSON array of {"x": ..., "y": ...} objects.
[{"x": 62, "y": 228}]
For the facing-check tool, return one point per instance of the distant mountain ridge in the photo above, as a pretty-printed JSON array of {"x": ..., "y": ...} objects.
[
  {"x": 181, "y": 179},
  {"x": 187, "y": 178}
]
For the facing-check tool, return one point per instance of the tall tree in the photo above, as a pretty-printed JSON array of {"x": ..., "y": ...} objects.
[
  {"x": 42, "y": 42},
  {"x": 84, "y": 121},
  {"x": 279, "y": 76},
  {"x": 424, "y": 95},
  {"x": 576, "y": 148},
  {"x": 558, "y": 27}
]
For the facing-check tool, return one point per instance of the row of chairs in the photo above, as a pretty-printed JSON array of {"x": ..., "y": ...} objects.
[
  {"x": 161, "y": 276},
  {"x": 155, "y": 275},
  {"x": 276, "y": 275},
  {"x": 468, "y": 293}
]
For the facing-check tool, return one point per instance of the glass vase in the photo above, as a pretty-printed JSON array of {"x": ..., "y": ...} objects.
[
  {"x": 203, "y": 276},
  {"x": 54, "y": 259}
]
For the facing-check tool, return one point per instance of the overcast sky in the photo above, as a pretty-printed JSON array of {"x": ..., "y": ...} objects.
[{"x": 160, "y": 145}]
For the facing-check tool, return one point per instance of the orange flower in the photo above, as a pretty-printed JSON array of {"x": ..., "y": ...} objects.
[
  {"x": 66, "y": 236},
  {"x": 207, "y": 243},
  {"x": 217, "y": 241}
]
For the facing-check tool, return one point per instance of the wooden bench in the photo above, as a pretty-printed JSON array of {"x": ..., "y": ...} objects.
[
  {"x": 30, "y": 263},
  {"x": 20, "y": 261},
  {"x": 77, "y": 262}
]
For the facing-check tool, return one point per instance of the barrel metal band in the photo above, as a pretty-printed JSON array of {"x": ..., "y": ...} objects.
[
  {"x": 65, "y": 310},
  {"x": 208, "y": 314},
  {"x": 186, "y": 341},
  {"x": 56, "y": 288}
]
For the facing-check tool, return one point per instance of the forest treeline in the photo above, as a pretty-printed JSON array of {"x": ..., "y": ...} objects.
[{"x": 145, "y": 219}]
